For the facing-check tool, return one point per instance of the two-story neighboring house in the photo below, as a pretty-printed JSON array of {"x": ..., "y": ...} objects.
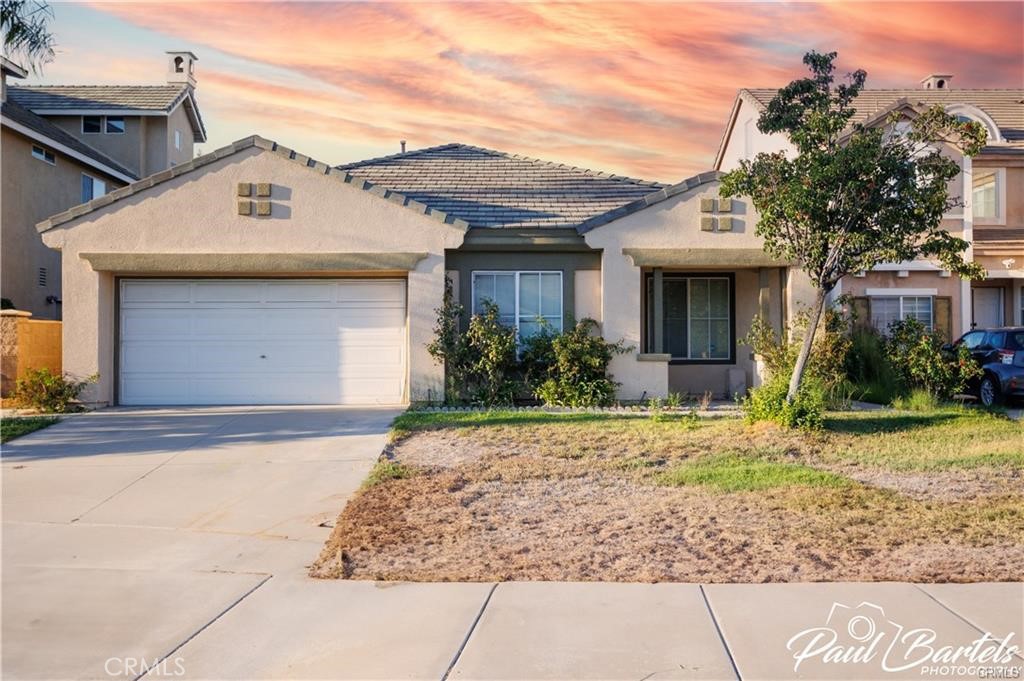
[
  {"x": 63, "y": 145},
  {"x": 991, "y": 187}
]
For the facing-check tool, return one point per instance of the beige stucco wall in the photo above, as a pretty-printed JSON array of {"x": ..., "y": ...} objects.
[
  {"x": 178, "y": 120},
  {"x": 33, "y": 190},
  {"x": 124, "y": 148},
  {"x": 675, "y": 224},
  {"x": 588, "y": 294},
  {"x": 196, "y": 213}
]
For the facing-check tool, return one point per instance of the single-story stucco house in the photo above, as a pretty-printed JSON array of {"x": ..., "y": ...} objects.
[{"x": 255, "y": 274}]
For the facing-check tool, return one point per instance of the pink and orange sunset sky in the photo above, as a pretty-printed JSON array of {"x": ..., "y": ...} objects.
[{"x": 639, "y": 89}]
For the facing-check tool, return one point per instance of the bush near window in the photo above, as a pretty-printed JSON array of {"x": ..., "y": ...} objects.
[
  {"x": 570, "y": 369},
  {"x": 916, "y": 354},
  {"x": 481, "y": 366},
  {"x": 868, "y": 367},
  {"x": 49, "y": 392}
]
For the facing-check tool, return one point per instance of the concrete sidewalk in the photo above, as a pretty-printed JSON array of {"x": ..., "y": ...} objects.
[{"x": 542, "y": 630}]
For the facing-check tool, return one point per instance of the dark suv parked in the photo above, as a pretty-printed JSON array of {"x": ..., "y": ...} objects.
[{"x": 1000, "y": 353}]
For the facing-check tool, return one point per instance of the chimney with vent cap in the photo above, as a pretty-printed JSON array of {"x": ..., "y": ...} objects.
[
  {"x": 402, "y": 142},
  {"x": 937, "y": 81},
  {"x": 181, "y": 69}
]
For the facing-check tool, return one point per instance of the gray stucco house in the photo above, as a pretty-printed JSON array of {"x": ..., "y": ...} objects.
[{"x": 255, "y": 274}]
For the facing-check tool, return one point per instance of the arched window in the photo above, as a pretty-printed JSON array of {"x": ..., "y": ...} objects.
[
  {"x": 969, "y": 113},
  {"x": 178, "y": 62}
]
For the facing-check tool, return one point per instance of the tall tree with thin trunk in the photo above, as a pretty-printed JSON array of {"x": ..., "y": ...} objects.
[
  {"x": 26, "y": 32},
  {"x": 853, "y": 195}
]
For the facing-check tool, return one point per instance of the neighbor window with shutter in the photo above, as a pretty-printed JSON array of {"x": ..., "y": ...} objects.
[{"x": 934, "y": 312}]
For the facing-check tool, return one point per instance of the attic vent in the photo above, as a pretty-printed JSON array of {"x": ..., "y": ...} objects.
[{"x": 42, "y": 276}]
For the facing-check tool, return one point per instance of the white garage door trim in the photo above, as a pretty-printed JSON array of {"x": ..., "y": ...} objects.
[{"x": 262, "y": 341}]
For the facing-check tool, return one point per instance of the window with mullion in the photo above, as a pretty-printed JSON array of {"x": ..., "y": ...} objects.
[
  {"x": 525, "y": 300},
  {"x": 696, "y": 317}
]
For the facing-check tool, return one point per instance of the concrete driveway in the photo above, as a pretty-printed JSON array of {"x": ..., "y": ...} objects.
[{"x": 126, "y": 532}]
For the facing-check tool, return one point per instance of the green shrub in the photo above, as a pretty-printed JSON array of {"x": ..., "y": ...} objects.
[
  {"x": 387, "y": 470},
  {"x": 449, "y": 347},
  {"x": 916, "y": 354},
  {"x": 492, "y": 347},
  {"x": 768, "y": 403},
  {"x": 918, "y": 400},
  {"x": 46, "y": 391},
  {"x": 868, "y": 367},
  {"x": 827, "y": 364},
  {"x": 571, "y": 369}
]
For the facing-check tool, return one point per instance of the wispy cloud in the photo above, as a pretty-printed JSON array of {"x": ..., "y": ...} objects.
[{"x": 641, "y": 89}]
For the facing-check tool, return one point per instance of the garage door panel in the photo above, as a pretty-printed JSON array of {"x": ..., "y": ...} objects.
[
  {"x": 156, "y": 291},
  {"x": 145, "y": 355},
  {"x": 263, "y": 342}
]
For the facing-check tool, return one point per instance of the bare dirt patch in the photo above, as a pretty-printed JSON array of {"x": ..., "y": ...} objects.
[{"x": 581, "y": 502}]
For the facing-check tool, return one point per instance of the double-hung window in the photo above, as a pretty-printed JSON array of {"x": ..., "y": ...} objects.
[
  {"x": 526, "y": 300},
  {"x": 988, "y": 196},
  {"x": 92, "y": 188},
  {"x": 888, "y": 309},
  {"x": 694, "y": 319}
]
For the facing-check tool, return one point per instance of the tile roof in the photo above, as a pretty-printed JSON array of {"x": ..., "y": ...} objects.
[
  {"x": 493, "y": 189},
  {"x": 271, "y": 146},
  {"x": 100, "y": 97},
  {"x": 23, "y": 116},
  {"x": 1005, "y": 107}
]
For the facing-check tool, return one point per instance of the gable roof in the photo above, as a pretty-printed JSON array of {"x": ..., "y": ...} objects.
[
  {"x": 1005, "y": 107},
  {"x": 21, "y": 119},
  {"x": 494, "y": 189},
  {"x": 195, "y": 164},
  {"x": 130, "y": 99}
]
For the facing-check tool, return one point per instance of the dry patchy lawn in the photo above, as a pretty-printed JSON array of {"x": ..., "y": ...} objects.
[{"x": 526, "y": 496}]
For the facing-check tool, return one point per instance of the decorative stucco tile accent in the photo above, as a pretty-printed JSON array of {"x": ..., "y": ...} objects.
[
  {"x": 245, "y": 207},
  {"x": 725, "y": 223},
  {"x": 245, "y": 189},
  {"x": 263, "y": 189},
  {"x": 263, "y": 208},
  {"x": 707, "y": 205},
  {"x": 724, "y": 205},
  {"x": 707, "y": 223}
]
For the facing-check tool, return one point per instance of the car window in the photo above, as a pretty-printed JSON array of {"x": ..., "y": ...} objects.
[
  {"x": 973, "y": 339},
  {"x": 1015, "y": 340},
  {"x": 995, "y": 340}
]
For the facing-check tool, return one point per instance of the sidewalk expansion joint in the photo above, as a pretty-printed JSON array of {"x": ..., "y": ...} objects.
[
  {"x": 721, "y": 636},
  {"x": 472, "y": 628},
  {"x": 203, "y": 628}
]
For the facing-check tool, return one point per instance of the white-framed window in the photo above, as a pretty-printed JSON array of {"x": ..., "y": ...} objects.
[
  {"x": 177, "y": 140},
  {"x": 526, "y": 300},
  {"x": 988, "y": 196},
  {"x": 695, "y": 315},
  {"x": 92, "y": 125},
  {"x": 888, "y": 309},
  {"x": 44, "y": 155},
  {"x": 92, "y": 188},
  {"x": 114, "y": 125}
]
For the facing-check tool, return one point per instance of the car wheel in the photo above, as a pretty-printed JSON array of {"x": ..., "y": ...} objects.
[{"x": 988, "y": 392}]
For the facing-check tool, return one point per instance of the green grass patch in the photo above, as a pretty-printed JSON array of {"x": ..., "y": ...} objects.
[
  {"x": 741, "y": 473},
  {"x": 387, "y": 470},
  {"x": 11, "y": 428}
]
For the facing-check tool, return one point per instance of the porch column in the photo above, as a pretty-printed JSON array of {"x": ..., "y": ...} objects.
[{"x": 656, "y": 309}]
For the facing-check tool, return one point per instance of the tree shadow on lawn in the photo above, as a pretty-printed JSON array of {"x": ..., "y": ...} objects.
[{"x": 869, "y": 423}]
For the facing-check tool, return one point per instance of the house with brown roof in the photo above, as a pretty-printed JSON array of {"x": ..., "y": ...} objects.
[
  {"x": 258, "y": 275},
  {"x": 991, "y": 219},
  {"x": 63, "y": 145}
]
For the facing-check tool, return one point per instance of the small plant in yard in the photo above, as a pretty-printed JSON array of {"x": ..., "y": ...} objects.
[
  {"x": 704, "y": 402},
  {"x": 674, "y": 400},
  {"x": 768, "y": 403},
  {"x": 916, "y": 353},
  {"x": 868, "y": 367},
  {"x": 54, "y": 393},
  {"x": 918, "y": 400},
  {"x": 385, "y": 470},
  {"x": 739, "y": 473},
  {"x": 570, "y": 369}
]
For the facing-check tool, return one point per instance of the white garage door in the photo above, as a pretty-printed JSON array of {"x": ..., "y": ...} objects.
[{"x": 305, "y": 341}]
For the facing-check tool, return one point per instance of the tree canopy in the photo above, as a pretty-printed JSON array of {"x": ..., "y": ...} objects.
[
  {"x": 26, "y": 34},
  {"x": 854, "y": 194}
]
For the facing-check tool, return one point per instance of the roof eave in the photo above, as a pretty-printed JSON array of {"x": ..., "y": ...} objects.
[{"x": 651, "y": 199}]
